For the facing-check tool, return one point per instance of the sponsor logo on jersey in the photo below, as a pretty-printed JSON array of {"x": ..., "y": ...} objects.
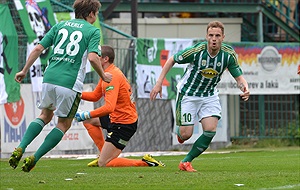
[
  {"x": 109, "y": 88},
  {"x": 209, "y": 73}
]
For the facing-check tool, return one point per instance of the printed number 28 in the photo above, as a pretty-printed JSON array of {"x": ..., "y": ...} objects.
[{"x": 73, "y": 45}]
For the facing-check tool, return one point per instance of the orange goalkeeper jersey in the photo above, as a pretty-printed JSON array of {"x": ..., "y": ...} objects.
[{"x": 118, "y": 98}]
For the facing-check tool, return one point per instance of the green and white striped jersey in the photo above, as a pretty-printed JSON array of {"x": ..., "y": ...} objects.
[
  {"x": 72, "y": 41},
  {"x": 204, "y": 72}
]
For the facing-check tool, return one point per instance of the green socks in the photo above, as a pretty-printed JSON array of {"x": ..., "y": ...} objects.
[
  {"x": 200, "y": 145},
  {"x": 51, "y": 140},
  {"x": 33, "y": 130}
]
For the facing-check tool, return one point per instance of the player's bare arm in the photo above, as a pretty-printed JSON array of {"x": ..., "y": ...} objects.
[
  {"x": 158, "y": 86},
  {"x": 36, "y": 52},
  {"x": 243, "y": 85}
]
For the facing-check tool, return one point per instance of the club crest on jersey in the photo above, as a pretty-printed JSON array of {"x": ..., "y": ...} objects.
[
  {"x": 209, "y": 73},
  {"x": 109, "y": 88},
  {"x": 203, "y": 63}
]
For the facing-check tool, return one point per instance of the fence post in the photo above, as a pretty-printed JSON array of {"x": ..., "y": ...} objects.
[{"x": 261, "y": 113}]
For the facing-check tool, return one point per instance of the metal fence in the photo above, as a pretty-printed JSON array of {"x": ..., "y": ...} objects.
[{"x": 269, "y": 116}]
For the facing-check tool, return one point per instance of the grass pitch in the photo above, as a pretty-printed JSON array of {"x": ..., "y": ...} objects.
[{"x": 260, "y": 169}]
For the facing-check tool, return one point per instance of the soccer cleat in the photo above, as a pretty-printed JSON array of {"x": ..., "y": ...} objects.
[
  {"x": 28, "y": 164},
  {"x": 179, "y": 139},
  {"x": 151, "y": 161},
  {"x": 186, "y": 166},
  {"x": 93, "y": 163},
  {"x": 15, "y": 157}
]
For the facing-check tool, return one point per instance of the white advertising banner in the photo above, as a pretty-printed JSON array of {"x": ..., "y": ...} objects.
[
  {"x": 269, "y": 68},
  {"x": 15, "y": 118}
]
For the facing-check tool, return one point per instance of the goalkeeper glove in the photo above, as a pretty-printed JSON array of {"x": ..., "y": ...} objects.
[{"x": 82, "y": 115}]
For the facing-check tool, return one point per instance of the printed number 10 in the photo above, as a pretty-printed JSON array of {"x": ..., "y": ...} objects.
[{"x": 187, "y": 117}]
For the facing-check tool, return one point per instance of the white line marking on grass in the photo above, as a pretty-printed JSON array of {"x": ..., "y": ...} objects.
[
  {"x": 124, "y": 154},
  {"x": 80, "y": 173},
  {"x": 153, "y": 153},
  {"x": 239, "y": 184},
  {"x": 135, "y": 154},
  {"x": 282, "y": 187}
]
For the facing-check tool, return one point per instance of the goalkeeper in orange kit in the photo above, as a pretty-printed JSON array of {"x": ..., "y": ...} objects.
[{"x": 123, "y": 118}]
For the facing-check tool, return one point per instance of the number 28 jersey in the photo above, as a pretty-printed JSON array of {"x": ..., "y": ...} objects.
[{"x": 72, "y": 41}]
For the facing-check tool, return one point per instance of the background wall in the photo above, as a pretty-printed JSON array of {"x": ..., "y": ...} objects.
[{"x": 177, "y": 27}]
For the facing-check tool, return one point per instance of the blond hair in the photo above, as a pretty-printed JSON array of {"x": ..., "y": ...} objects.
[{"x": 215, "y": 24}]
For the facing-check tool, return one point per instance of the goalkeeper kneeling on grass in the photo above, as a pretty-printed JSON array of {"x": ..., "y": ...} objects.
[{"x": 123, "y": 118}]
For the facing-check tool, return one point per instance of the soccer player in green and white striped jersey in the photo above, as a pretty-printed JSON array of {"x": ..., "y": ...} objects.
[
  {"x": 197, "y": 94},
  {"x": 74, "y": 42}
]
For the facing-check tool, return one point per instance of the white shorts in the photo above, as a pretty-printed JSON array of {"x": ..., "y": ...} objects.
[
  {"x": 64, "y": 101},
  {"x": 190, "y": 108}
]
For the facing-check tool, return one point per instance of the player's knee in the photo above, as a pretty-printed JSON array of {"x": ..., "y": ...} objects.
[
  {"x": 86, "y": 125},
  {"x": 185, "y": 134},
  {"x": 46, "y": 117}
]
